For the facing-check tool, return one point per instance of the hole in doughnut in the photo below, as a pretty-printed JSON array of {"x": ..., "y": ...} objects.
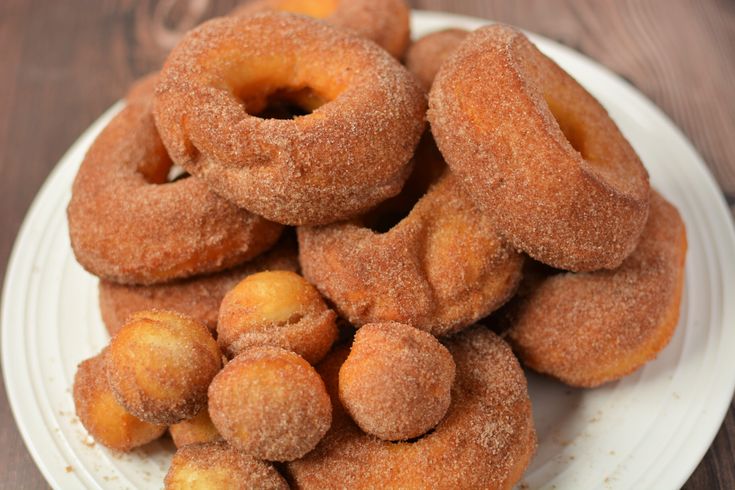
[
  {"x": 281, "y": 103},
  {"x": 318, "y": 9},
  {"x": 176, "y": 173},
  {"x": 429, "y": 166},
  {"x": 572, "y": 129}
]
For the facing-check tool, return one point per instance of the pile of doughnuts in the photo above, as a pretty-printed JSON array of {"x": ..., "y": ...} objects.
[{"x": 306, "y": 285}]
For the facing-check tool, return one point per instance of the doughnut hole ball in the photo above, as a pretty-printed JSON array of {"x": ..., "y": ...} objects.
[
  {"x": 218, "y": 466},
  {"x": 270, "y": 403},
  {"x": 198, "y": 429},
  {"x": 277, "y": 308},
  {"x": 397, "y": 381},
  {"x": 104, "y": 418},
  {"x": 160, "y": 364}
]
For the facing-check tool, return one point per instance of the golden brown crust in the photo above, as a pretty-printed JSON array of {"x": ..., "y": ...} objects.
[
  {"x": 386, "y": 22},
  {"x": 350, "y": 153},
  {"x": 486, "y": 440},
  {"x": 129, "y": 225},
  {"x": 270, "y": 403},
  {"x": 198, "y": 297},
  {"x": 590, "y": 328},
  {"x": 196, "y": 430},
  {"x": 104, "y": 418},
  {"x": 440, "y": 269},
  {"x": 425, "y": 56},
  {"x": 396, "y": 383},
  {"x": 216, "y": 465},
  {"x": 538, "y": 153},
  {"x": 278, "y": 308},
  {"x": 160, "y": 364}
]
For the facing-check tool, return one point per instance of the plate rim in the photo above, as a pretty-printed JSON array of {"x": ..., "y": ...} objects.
[{"x": 25, "y": 233}]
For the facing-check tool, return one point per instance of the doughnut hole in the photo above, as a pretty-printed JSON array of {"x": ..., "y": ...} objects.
[
  {"x": 216, "y": 465},
  {"x": 160, "y": 364},
  {"x": 104, "y": 418},
  {"x": 198, "y": 429},
  {"x": 397, "y": 381},
  {"x": 277, "y": 308},
  {"x": 318, "y": 9},
  {"x": 271, "y": 404}
]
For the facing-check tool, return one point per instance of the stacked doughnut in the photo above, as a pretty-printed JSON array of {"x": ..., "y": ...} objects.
[{"x": 522, "y": 204}]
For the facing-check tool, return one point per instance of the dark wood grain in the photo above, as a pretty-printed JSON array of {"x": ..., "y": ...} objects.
[{"x": 66, "y": 62}]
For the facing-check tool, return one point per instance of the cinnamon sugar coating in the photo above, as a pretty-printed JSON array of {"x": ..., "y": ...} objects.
[
  {"x": 196, "y": 430},
  {"x": 425, "y": 56},
  {"x": 486, "y": 439},
  {"x": 440, "y": 269},
  {"x": 104, "y": 418},
  {"x": 198, "y": 297},
  {"x": 278, "y": 308},
  {"x": 590, "y": 328},
  {"x": 396, "y": 383},
  {"x": 385, "y": 22},
  {"x": 218, "y": 466},
  {"x": 160, "y": 364},
  {"x": 127, "y": 224},
  {"x": 350, "y": 153},
  {"x": 270, "y": 403},
  {"x": 538, "y": 153}
]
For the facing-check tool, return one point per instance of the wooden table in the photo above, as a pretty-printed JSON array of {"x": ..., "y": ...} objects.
[{"x": 65, "y": 62}]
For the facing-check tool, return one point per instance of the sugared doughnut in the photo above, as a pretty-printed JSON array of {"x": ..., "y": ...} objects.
[
  {"x": 196, "y": 430},
  {"x": 440, "y": 268},
  {"x": 270, "y": 403},
  {"x": 198, "y": 297},
  {"x": 218, "y": 466},
  {"x": 386, "y": 22},
  {"x": 425, "y": 56},
  {"x": 486, "y": 439},
  {"x": 278, "y": 308},
  {"x": 396, "y": 383},
  {"x": 160, "y": 364},
  {"x": 538, "y": 153},
  {"x": 589, "y": 328},
  {"x": 365, "y": 114},
  {"x": 104, "y": 418},
  {"x": 128, "y": 224}
]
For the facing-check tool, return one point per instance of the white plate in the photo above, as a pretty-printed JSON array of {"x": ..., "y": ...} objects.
[{"x": 649, "y": 430}]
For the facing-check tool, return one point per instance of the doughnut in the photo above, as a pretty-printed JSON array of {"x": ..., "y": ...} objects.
[
  {"x": 486, "y": 440},
  {"x": 590, "y": 328},
  {"x": 538, "y": 153},
  {"x": 198, "y": 429},
  {"x": 160, "y": 364},
  {"x": 397, "y": 381},
  {"x": 425, "y": 56},
  {"x": 363, "y": 114},
  {"x": 385, "y": 22},
  {"x": 198, "y": 297},
  {"x": 218, "y": 466},
  {"x": 440, "y": 268},
  {"x": 270, "y": 403},
  {"x": 278, "y": 308},
  {"x": 104, "y": 418},
  {"x": 128, "y": 224}
]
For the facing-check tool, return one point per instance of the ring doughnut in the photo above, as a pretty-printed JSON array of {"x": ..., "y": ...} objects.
[
  {"x": 486, "y": 439},
  {"x": 538, "y": 153},
  {"x": 439, "y": 269},
  {"x": 198, "y": 297},
  {"x": 350, "y": 153},
  {"x": 425, "y": 56},
  {"x": 620, "y": 319},
  {"x": 129, "y": 225},
  {"x": 383, "y": 21}
]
